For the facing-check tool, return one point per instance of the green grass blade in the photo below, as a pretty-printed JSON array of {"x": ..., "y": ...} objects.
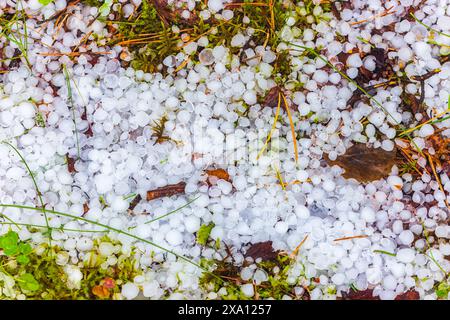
[
  {"x": 44, "y": 211},
  {"x": 69, "y": 94}
]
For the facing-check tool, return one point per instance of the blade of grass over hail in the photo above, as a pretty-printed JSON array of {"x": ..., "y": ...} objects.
[
  {"x": 173, "y": 211},
  {"x": 269, "y": 136},
  {"x": 72, "y": 106},
  {"x": 428, "y": 27},
  {"x": 43, "y": 210},
  {"x": 18, "y": 224},
  {"x": 109, "y": 228}
]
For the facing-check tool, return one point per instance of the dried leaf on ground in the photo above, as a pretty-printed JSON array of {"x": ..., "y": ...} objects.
[
  {"x": 219, "y": 174},
  {"x": 89, "y": 132},
  {"x": 101, "y": 292},
  {"x": 408, "y": 295},
  {"x": 263, "y": 250},
  {"x": 167, "y": 191},
  {"x": 368, "y": 295},
  {"x": 271, "y": 99},
  {"x": 411, "y": 102},
  {"x": 365, "y": 164},
  {"x": 383, "y": 67},
  {"x": 359, "y": 295},
  {"x": 85, "y": 208},
  {"x": 172, "y": 15},
  {"x": 70, "y": 164}
]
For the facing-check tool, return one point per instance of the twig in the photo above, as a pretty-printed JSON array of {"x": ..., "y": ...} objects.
[{"x": 350, "y": 238}]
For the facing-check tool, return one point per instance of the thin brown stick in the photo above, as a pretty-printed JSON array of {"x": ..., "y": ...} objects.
[
  {"x": 353, "y": 237},
  {"x": 167, "y": 191}
]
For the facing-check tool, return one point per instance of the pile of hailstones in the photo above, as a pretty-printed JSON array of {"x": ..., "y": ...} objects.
[{"x": 101, "y": 116}]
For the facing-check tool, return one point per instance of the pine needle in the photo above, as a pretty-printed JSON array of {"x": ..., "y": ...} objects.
[
  {"x": 269, "y": 136},
  {"x": 280, "y": 178},
  {"x": 183, "y": 64},
  {"x": 295, "y": 252},
  {"x": 350, "y": 238},
  {"x": 291, "y": 122},
  {"x": 433, "y": 168},
  {"x": 424, "y": 123},
  {"x": 39, "y": 194}
]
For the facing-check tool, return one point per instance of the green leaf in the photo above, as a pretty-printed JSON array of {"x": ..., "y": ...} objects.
[
  {"x": 203, "y": 233},
  {"x": 11, "y": 250},
  {"x": 385, "y": 252},
  {"x": 9, "y": 239},
  {"x": 27, "y": 282},
  {"x": 25, "y": 248},
  {"x": 442, "y": 290},
  {"x": 105, "y": 8},
  {"x": 45, "y": 2},
  {"x": 23, "y": 259}
]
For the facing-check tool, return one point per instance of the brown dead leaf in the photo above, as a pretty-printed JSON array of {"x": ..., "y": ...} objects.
[
  {"x": 263, "y": 250},
  {"x": 368, "y": 295},
  {"x": 167, "y": 191},
  {"x": 85, "y": 208},
  {"x": 70, "y": 164},
  {"x": 101, "y": 292},
  {"x": 171, "y": 15},
  {"x": 383, "y": 66},
  {"x": 359, "y": 295},
  {"x": 411, "y": 102},
  {"x": 408, "y": 295},
  {"x": 108, "y": 283},
  {"x": 219, "y": 174},
  {"x": 271, "y": 99},
  {"x": 365, "y": 164},
  {"x": 89, "y": 132}
]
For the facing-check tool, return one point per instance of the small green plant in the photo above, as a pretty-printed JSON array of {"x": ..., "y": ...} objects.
[
  {"x": 14, "y": 29},
  {"x": 203, "y": 233},
  {"x": 28, "y": 283},
  {"x": 40, "y": 121},
  {"x": 47, "y": 273},
  {"x": 14, "y": 248},
  {"x": 442, "y": 290},
  {"x": 276, "y": 285},
  {"x": 105, "y": 8}
]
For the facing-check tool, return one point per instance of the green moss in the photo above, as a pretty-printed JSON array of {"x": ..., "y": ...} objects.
[
  {"x": 40, "y": 121},
  {"x": 92, "y": 3},
  {"x": 282, "y": 67},
  {"x": 150, "y": 39},
  {"x": 442, "y": 290},
  {"x": 203, "y": 233}
]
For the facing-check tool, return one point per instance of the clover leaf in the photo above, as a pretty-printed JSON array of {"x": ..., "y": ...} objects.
[
  {"x": 9, "y": 243},
  {"x": 11, "y": 250},
  {"x": 22, "y": 259},
  {"x": 25, "y": 248},
  {"x": 27, "y": 282},
  {"x": 9, "y": 239}
]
